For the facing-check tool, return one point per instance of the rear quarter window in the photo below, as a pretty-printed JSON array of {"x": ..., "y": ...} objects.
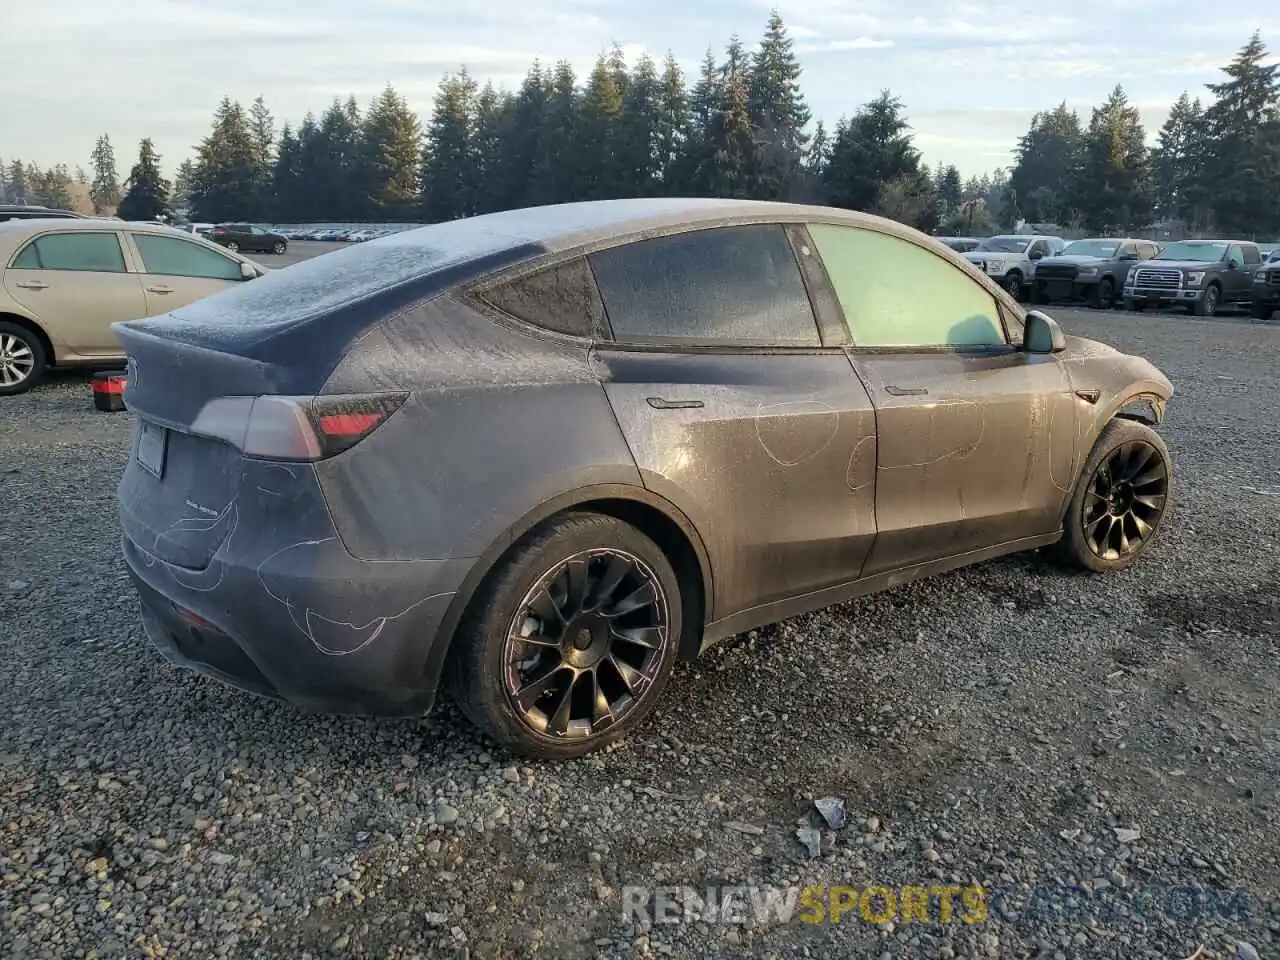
[{"x": 562, "y": 298}]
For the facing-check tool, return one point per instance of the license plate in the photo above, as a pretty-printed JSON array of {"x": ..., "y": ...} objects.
[{"x": 153, "y": 442}]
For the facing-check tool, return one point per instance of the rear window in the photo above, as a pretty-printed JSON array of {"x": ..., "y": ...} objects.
[
  {"x": 726, "y": 285},
  {"x": 325, "y": 283},
  {"x": 562, "y": 298},
  {"x": 83, "y": 252}
]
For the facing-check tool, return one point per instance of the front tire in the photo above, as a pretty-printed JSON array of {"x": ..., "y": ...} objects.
[
  {"x": 1013, "y": 283},
  {"x": 1207, "y": 306},
  {"x": 22, "y": 359},
  {"x": 1104, "y": 297},
  {"x": 570, "y": 642},
  {"x": 279, "y": 248},
  {"x": 1121, "y": 498}
]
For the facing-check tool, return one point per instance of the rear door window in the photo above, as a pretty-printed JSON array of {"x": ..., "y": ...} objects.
[
  {"x": 172, "y": 257},
  {"x": 86, "y": 252},
  {"x": 725, "y": 286},
  {"x": 562, "y": 298}
]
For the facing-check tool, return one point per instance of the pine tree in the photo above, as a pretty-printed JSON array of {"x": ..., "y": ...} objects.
[
  {"x": 1047, "y": 158},
  {"x": 334, "y": 177},
  {"x": 724, "y": 165},
  {"x": 180, "y": 191},
  {"x": 704, "y": 104},
  {"x": 1242, "y": 124},
  {"x": 601, "y": 115},
  {"x": 640, "y": 161},
  {"x": 225, "y": 182},
  {"x": 524, "y": 133},
  {"x": 673, "y": 123},
  {"x": 1172, "y": 171},
  {"x": 559, "y": 160},
  {"x": 1112, "y": 185},
  {"x": 870, "y": 151},
  {"x": 146, "y": 191},
  {"x": 19, "y": 190},
  {"x": 494, "y": 123},
  {"x": 82, "y": 178},
  {"x": 950, "y": 190},
  {"x": 105, "y": 190},
  {"x": 310, "y": 161},
  {"x": 262, "y": 126},
  {"x": 4, "y": 183},
  {"x": 778, "y": 113},
  {"x": 448, "y": 158},
  {"x": 392, "y": 151}
]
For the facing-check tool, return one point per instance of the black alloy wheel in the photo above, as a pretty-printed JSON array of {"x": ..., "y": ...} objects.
[
  {"x": 1125, "y": 501},
  {"x": 586, "y": 643}
]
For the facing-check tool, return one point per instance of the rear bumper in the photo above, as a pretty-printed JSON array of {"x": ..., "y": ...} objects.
[{"x": 283, "y": 610}]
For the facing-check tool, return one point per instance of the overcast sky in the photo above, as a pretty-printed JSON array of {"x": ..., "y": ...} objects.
[{"x": 970, "y": 73}]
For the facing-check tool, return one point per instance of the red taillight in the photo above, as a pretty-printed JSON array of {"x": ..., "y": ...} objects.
[{"x": 296, "y": 428}]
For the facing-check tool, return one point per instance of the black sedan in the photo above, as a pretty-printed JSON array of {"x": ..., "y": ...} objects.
[
  {"x": 249, "y": 238},
  {"x": 543, "y": 454}
]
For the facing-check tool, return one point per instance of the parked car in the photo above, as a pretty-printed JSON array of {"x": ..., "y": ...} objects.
[
  {"x": 249, "y": 237},
  {"x": 1264, "y": 298},
  {"x": 1010, "y": 260},
  {"x": 545, "y": 453},
  {"x": 64, "y": 282},
  {"x": 1201, "y": 275},
  {"x": 19, "y": 211},
  {"x": 1092, "y": 270},
  {"x": 959, "y": 244}
]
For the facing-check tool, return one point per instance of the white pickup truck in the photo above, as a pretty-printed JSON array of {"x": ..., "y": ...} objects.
[{"x": 1011, "y": 259}]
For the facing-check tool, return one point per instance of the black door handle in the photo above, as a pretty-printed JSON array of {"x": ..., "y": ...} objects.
[
  {"x": 659, "y": 403},
  {"x": 906, "y": 391}
]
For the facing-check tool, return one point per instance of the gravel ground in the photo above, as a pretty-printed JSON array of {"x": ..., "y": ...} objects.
[{"x": 1101, "y": 754}]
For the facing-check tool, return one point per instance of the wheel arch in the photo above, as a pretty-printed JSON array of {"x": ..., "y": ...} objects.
[
  {"x": 655, "y": 516},
  {"x": 46, "y": 342}
]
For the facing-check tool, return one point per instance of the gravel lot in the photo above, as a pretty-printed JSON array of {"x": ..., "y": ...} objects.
[{"x": 1101, "y": 747}]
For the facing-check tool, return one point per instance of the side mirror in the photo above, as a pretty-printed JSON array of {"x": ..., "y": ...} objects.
[
  {"x": 247, "y": 272},
  {"x": 1041, "y": 334},
  {"x": 1036, "y": 255},
  {"x": 1231, "y": 265}
]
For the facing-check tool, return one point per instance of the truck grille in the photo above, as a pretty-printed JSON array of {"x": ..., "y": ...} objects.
[
  {"x": 1273, "y": 278},
  {"x": 1159, "y": 278},
  {"x": 1057, "y": 271}
]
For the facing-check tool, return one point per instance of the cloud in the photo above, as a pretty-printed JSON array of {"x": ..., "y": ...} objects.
[{"x": 970, "y": 73}]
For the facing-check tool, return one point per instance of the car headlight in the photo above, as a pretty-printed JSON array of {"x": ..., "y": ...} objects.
[
  {"x": 1260, "y": 277},
  {"x": 1194, "y": 277},
  {"x": 1133, "y": 272},
  {"x": 1088, "y": 272}
]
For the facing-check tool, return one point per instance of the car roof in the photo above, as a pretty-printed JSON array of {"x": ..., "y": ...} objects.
[
  {"x": 14, "y": 232},
  {"x": 566, "y": 226}
]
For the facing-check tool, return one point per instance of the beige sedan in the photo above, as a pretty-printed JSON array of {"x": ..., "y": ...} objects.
[{"x": 64, "y": 282}]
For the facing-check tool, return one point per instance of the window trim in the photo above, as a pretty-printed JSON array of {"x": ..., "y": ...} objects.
[
  {"x": 142, "y": 260},
  {"x": 32, "y": 241},
  {"x": 1002, "y": 312},
  {"x": 683, "y": 344},
  {"x": 473, "y": 295}
]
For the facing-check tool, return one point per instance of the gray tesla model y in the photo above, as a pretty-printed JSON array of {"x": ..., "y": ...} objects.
[{"x": 538, "y": 456}]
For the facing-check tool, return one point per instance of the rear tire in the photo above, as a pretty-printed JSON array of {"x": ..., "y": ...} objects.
[
  {"x": 22, "y": 359},
  {"x": 1121, "y": 498},
  {"x": 233, "y": 246},
  {"x": 547, "y": 620}
]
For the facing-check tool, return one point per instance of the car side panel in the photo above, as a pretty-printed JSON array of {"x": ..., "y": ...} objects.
[
  {"x": 499, "y": 421},
  {"x": 78, "y": 307}
]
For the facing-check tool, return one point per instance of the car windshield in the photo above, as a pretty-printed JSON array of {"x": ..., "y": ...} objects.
[
  {"x": 1004, "y": 244},
  {"x": 1196, "y": 251},
  {"x": 1091, "y": 248}
]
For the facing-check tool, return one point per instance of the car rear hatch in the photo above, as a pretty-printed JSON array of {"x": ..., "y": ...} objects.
[{"x": 242, "y": 374}]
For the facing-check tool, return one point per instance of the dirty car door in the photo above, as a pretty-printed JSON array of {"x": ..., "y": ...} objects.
[
  {"x": 976, "y": 437},
  {"x": 735, "y": 411}
]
